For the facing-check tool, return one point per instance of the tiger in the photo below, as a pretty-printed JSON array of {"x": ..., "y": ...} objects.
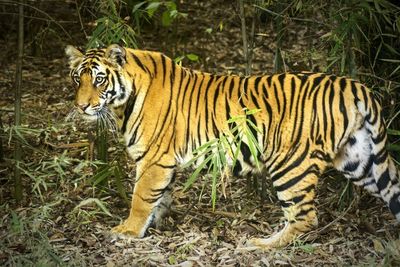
[{"x": 308, "y": 122}]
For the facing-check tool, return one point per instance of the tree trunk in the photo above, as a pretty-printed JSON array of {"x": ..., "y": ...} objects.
[{"x": 18, "y": 82}]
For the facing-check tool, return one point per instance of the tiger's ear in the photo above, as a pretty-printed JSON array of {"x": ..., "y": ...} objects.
[
  {"x": 74, "y": 56},
  {"x": 116, "y": 54}
]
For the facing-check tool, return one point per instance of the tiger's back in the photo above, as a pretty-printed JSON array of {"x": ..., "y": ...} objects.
[{"x": 306, "y": 122}]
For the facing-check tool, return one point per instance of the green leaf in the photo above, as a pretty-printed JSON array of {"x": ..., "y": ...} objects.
[
  {"x": 192, "y": 57},
  {"x": 171, "y": 6},
  {"x": 394, "y": 147},
  {"x": 390, "y": 60},
  {"x": 393, "y": 132},
  {"x": 179, "y": 59},
  {"x": 252, "y": 111},
  {"x": 395, "y": 70},
  {"x": 138, "y": 6},
  {"x": 214, "y": 185},
  {"x": 307, "y": 248},
  {"x": 173, "y": 14},
  {"x": 201, "y": 151},
  {"x": 195, "y": 174},
  {"x": 166, "y": 18},
  {"x": 103, "y": 173},
  {"x": 152, "y": 8}
]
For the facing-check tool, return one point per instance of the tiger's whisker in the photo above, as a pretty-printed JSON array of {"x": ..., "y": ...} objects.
[{"x": 71, "y": 115}]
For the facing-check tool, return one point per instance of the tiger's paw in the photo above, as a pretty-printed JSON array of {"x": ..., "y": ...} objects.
[
  {"x": 278, "y": 240},
  {"x": 263, "y": 243},
  {"x": 124, "y": 230}
]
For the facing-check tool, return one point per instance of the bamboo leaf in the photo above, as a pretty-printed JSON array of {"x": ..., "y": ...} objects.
[
  {"x": 393, "y": 132},
  {"x": 96, "y": 201},
  {"x": 152, "y": 8},
  {"x": 214, "y": 186},
  {"x": 196, "y": 173},
  {"x": 101, "y": 175}
]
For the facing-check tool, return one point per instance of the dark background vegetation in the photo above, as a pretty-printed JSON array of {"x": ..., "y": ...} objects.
[{"x": 73, "y": 180}]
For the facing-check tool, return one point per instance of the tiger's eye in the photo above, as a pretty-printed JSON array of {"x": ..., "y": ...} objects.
[{"x": 99, "y": 79}]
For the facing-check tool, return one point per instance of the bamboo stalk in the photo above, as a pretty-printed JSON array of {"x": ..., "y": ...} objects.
[
  {"x": 18, "y": 82},
  {"x": 244, "y": 37},
  {"x": 278, "y": 60},
  {"x": 1, "y": 140}
]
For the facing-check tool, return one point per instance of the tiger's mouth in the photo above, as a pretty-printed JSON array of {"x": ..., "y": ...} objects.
[{"x": 103, "y": 116}]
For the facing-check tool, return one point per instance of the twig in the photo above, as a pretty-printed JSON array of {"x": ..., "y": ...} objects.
[
  {"x": 291, "y": 18},
  {"x": 80, "y": 19},
  {"x": 38, "y": 18},
  {"x": 377, "y": 77},
  {"x": 71, "y": 145}
]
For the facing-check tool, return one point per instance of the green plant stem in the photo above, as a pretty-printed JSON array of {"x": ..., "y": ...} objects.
[
  {"x": 18, "y": 82},
  {"x": 101, "y": 145}
]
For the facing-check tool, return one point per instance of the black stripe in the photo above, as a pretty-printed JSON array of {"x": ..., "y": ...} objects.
[
  {"x": 164, "y": 68},
  {"x": 343, "y": 110},
  {"x": 217, "y": 92},
  {"x": 231, "y": 86},
  {"x": 277, "y": 101},
  {"x": 313, "y": 169},
  {"x": 394, "y": 203},
  {"x": 380, "y": 157},
  {"x": 351, "y": 166},
  {"x": 332, "y": 122},
  {"x": 291, "y": 202},
  {"x": 293, "y": 92},
  {"x": 384, "y": 180},
  {"x": 328, "y": 86},
  {"x": 154, "y": 66},
  {"x": 354, "y": 90},
  {"x": 133, "y": 139},
  {"x": 193, "y": 88},
  {"x": 139, "y": 63},
  {"x": 127, "y": 112},
  {"x": 293, "y": 165},
  {"x": 303, "y": 213}
]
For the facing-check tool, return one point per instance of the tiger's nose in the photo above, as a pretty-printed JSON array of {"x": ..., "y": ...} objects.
[{"x": 82, "y": 107}]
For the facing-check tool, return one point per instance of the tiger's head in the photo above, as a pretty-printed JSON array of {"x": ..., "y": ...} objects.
[{"x": 100, "y": 79}]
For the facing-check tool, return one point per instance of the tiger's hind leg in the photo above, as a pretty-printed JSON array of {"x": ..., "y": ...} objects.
[
  {"x": 355, "y": 160},
  {"x": 365, "y": 161},
  {"x": 295, "y": 188}
]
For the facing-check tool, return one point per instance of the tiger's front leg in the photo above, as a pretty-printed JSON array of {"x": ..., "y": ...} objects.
[{"x": 152, "y": 182}]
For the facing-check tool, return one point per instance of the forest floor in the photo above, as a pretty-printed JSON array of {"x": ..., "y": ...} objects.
[{"x": 65, "y": 220}]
